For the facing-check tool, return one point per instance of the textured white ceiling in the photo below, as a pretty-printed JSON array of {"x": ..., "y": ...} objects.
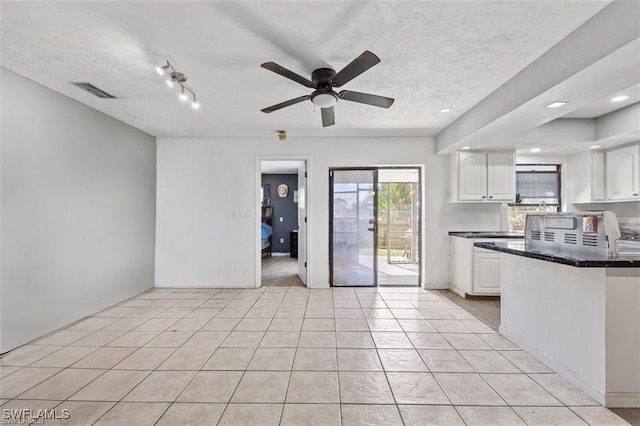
[{"x": 434, "y": 54}]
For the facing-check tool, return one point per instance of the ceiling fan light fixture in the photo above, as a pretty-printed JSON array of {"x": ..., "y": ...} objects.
[
  {"x": 194, "y": 103},
  {"x": 183, "y": 95},
  {"x": 324, "y": 100}
]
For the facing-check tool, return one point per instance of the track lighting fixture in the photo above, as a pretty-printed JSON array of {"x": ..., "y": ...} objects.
[{"x": 178, "y": 78}]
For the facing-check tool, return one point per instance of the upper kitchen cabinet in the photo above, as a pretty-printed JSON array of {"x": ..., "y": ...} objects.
[
  {"x": 606, "y": 176},
  {"x": 623, "y": 175},
  {"x": 483, "y": 177}
]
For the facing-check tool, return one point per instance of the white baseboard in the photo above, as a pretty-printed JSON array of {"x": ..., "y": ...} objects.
[
  {"x": 280, "y": 254},
  {"x": 623, "y": 399}
]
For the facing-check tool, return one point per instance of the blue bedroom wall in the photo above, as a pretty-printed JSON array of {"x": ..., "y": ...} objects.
[{"x": 282, "y": 207}]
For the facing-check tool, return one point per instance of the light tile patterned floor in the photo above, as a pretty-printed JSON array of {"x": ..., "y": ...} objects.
[{"x": 289, "y": 356}]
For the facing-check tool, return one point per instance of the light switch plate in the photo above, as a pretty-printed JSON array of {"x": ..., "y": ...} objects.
[{"x": 281, "y": 219}]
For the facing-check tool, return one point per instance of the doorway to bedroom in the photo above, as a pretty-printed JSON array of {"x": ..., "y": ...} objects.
[{"x": 282, "y": 229}]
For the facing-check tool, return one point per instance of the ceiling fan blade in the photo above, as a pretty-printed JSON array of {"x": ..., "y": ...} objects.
[
  {"x": 278, "y": 69},
  {"x": 359, "y": 65},
  {"x": 365, "y": 98},
  {"x": 285, "y": 104},
  {"x": 328, "y": 117}
]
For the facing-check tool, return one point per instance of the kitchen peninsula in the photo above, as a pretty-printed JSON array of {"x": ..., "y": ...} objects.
[{"x": 579, "y": 315}]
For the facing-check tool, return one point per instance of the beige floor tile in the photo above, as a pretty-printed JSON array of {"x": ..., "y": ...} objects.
[
  {"x": 401, "y": 360},
  {"x": 187, "y": 359},
  {"x": 104, "y": 358},
  {"x": 243, "y": 339},
  {"x": 519, "y": 389},
  {"x": 498, "y": 342},
  {"x": 416, "y": 326},
  {"x": 462, "y": 341},
  {"x": 319, "y": 324},
  {"x": 92, "y": 324},
  {"x": 175, "y": 313},
  {"x": 599, "y": 416},
  {"x": 133, "y": 339},
  {"x": 262, "y": 387},
  {"x": 113, "y": 385},
  {"x": 467, "y": 389},
  {"x": 310, "y": 414},
  {"x": 358, "y": 360},
  {"x": 488, "y": 362},
  {"x": 428, "y": 341},
  {"x": 543, "y": 416},
  {"x": 445, "y": 361},
  {"x": 477, "y": 326},
  {"x": 64, "y": 357},
  {"x": 404, "y": 310},
  {"x": 381, "y": 312},
  {"x": 317, "y": 339},
  {"x": 563, "y": 390},
  {"x": 251, "y": 414},
  {"x": 280, "y": 339},
  {"x": 125, "y": 324},
  {"x": 221, "y": 324},
  {"x": 5, "y": 371},
  {"x": 169, "y": 339},
  {"x": 280, "y": 359},
  {"x": 133, "y": 413},
  {"x": 262, "y": 312},
  {"x": 24, "y": 379},
  {"x": 351, "y": 324},
  {"x": 62, "y": 385},
  {"x": 191, "y": 414},
  {"x": 483, "y": 416},
  {"x": 416, "y": 388},
  {"x": 316, "y": 359},
  {"x": 364, "y": 388},
  {"x": 146, "y": 312},
  {"x": 26, "y": 355},
  {"x": 189, "y": 324},
  {"x": 354, "y": 339},
  {"x": 433, "y": 415},
  {"x": 145, "y": 359},
  {"x": 211, "y": 386},
  {"x": 293, "y": 312},
  {"x": 286, "y": 324},
  {"x": 98, "y": 338},
  {"x": 203, "y": 313},
  {"x": 81, "y": 413},
  {"x": 230, "y": 312},
  {"x": 313, "y": 387},
  {"x": 361, "y": 415},
  {"x": 161, "y": 386},
  {"x": 383, "y": 324},
  {"x": 206, "y": 339},
  {"x": 391, "y": 340},
  {"x": 317, "y": 312},
  {"x": 63, "y": 337},
  {"x": 117, "y": 312},
  {"x": 230, "y": 359},
  {"x": 353, "y": 312},
  {"x": 253, "y": 324},
  {"x": 525, "y": 362}
]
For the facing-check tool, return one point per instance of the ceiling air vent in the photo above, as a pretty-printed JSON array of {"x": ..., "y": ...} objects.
[{"x": 93, "y": 90}]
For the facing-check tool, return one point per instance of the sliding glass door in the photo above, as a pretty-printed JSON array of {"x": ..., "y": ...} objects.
[{"x": 353, "y": 227}]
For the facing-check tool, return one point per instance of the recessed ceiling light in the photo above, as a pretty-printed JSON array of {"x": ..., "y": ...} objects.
[
  {"x": 620, "y": 98},
  {"x": 466, "y": 147},
  {"x": 556, "y": 104},
  {"x": 594, "y": 146},
  {"x": 446, "y": 109},
  {"x": 535, "y": 150}
]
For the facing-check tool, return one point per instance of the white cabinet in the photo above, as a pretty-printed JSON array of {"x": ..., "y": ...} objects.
[
  {"x": 589, "y": 177},
  {"x": 623, "y": 176},
  {"x": 474, "y": 271},
  {"x": 483, "y": 177}
]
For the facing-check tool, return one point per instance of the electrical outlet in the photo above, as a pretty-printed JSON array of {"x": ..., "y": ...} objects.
[
  {"x": 281, "y": 219},
  {"x": 281, "y": 240}
]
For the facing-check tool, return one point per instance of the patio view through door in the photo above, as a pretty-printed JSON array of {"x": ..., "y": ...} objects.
[{"x": 375, "y": 226}]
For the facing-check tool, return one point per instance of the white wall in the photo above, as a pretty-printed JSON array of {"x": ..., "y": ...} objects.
[
  {"x": 207, "y": 196},
  {"x": 78, "y": 211}
]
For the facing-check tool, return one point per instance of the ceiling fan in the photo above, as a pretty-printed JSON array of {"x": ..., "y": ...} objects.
[{"x": 323, "y": 80}]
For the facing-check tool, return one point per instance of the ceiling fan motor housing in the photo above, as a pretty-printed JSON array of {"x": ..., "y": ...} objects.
[{"x": 322, "y": 78}]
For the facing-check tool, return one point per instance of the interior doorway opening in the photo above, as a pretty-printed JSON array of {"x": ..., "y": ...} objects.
[
  {"x": 375, "y": 226},
  {"x": 282, "y": 242}
]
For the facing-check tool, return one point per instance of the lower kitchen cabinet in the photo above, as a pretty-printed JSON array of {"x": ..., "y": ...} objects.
[{"x": 474, "y": 271}]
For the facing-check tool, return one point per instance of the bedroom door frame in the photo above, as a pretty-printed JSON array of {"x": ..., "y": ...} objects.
[{"x": 304, "y": 251}]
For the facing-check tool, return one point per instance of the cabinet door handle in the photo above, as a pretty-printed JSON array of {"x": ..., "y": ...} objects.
[
  {"x": 635, "y": 195},
  {"x": 490, "y": 196},
  {"x": 484, "y": 196}
]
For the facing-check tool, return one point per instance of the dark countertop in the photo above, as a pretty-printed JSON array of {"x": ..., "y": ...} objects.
[
  {"x": 487, "y": 234},
  {"x": 518, "y": 248}
]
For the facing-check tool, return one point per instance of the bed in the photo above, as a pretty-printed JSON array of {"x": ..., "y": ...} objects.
[{"x": 266, "y": 231}]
